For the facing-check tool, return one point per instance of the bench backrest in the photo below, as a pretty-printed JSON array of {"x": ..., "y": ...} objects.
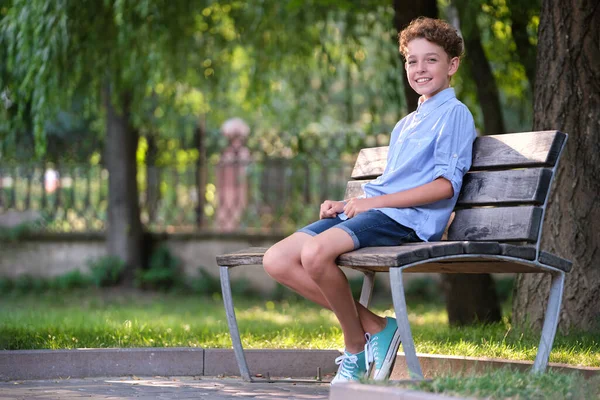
[{"x": 504, "y": 195}]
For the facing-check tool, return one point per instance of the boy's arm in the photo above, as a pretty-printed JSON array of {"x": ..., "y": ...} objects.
[{"x": 439, "y": 189}]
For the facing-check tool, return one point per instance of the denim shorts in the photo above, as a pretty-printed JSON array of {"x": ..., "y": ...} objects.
[{"x": 371, "y": 228}]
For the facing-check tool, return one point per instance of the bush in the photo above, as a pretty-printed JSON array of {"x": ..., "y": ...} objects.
[
  {"x": 70, "y": 280},
  {"x": 6, "y": 285},
  {"x": 423, "y": 289},
  {"x": 208, "y": 285},
  {"x": 504, "y": 288},
  {"x": 27, "y": 283},
  {"x": 164, "y": 271},
  {"x": 17, "y": 232},
  {"x": 205, "y": 283},
  {"x": 106, "y": 271},
  {"x": 281, "y": 292}
]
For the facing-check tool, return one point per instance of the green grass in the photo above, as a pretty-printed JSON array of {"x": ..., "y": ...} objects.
[
  {"x": 97, "y": 319},
  {"x": 505, "y": 383}
]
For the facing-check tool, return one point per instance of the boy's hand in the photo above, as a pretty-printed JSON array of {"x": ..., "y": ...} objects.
[
  {"x": 356, "y": 206},
  {"x": 330, "y": 209}
]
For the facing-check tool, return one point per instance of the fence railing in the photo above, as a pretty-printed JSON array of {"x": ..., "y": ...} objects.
[{"x": 272, "y": 194}]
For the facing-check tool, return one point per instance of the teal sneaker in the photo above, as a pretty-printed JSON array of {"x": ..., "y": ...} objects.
[
  {"x": 384, "y": 347},
  {"x": 353, "y": 367}
]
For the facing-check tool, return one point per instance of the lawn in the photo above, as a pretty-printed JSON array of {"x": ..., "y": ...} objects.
[
  {"x": 505, "y": 383},
  {"x": 110, "y": 318}
]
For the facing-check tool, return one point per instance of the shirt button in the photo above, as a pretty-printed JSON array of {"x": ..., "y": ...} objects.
[{"x": 455, "y": 156}]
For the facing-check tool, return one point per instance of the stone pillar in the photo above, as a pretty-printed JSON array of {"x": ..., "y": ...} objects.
[{"x": 232, "y": 185}]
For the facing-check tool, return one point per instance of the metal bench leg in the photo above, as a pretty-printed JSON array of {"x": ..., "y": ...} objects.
[
  {"x": 233, "y": 326},
  {"x": 550, "y": 322},
  {"x": 367, "y": 288},
  {"x": 397, "y": 287}
]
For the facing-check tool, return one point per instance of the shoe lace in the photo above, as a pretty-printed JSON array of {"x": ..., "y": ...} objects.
[
  {"x": 348, "y": 362},
  {"x": 375, "y": 347},
  {"x": 369, "y": 357}
]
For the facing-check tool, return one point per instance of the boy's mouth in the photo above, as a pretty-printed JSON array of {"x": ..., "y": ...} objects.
[{"x": 423, "y": 80}]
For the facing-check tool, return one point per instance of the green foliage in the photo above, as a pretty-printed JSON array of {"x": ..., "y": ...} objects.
[
  {"x": 164, "y": 271},
  {"x": 27, "y": 283},
  {"x": 205, "y": 283},
  {"x": 6, "y": 285},
  {"x": 13, "y": 234},
  {"x": 504, "y": 289},
  {"x": 180, "y": 59},
  {"x": 423, "y": 289},
  {"x": 71, "y": 280},
  {"x": 208, "y": 285},
  {"x": 282, "y": 293},
  {"x": 106, "y": 271}
]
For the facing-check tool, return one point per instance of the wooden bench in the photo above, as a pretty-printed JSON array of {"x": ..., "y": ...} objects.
[{"x": 496, "y": 228}]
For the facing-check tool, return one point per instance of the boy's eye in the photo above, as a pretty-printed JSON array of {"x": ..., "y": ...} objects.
[
  {"x": 410, "y": 62},
  {"x": 432, "y": 59}
]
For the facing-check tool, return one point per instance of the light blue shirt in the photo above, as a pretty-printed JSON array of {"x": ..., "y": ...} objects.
[{"x": 434, "y": 141}]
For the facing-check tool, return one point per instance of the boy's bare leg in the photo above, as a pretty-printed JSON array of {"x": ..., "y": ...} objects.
[
  {"x": 318, "y": 257},
  {"x": 282, "y": 262}
]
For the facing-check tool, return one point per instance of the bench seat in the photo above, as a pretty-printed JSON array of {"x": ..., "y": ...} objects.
[{"x": 434, "y": 255}]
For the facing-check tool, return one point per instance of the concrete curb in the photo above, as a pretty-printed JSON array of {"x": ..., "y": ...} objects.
[
  {"x": 84, "y": 363},
  {"x": 358, "y": 391},
  {"x": 153, "y": 361}
]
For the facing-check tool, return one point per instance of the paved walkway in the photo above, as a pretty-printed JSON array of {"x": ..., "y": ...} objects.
[{"x": 159, "y": 388}]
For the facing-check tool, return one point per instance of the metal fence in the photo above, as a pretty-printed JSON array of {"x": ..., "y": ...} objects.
[{"x": 271, "y": 194}]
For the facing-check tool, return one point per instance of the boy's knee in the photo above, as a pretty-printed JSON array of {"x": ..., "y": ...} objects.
[
  {"x": 273, "y": 262},
  {"x": 314, "y": 258}
]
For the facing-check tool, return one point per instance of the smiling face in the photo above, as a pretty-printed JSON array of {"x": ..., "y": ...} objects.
[{"x": 428, "y": 67}]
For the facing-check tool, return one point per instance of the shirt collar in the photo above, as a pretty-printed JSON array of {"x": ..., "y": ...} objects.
[{"x": 427, "y": 106}]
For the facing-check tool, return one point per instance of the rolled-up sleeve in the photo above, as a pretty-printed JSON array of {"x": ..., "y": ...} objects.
[{"x": 454, "y": 146}]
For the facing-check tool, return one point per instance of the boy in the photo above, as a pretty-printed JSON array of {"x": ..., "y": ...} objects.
[{"x": 430, "y": 151}]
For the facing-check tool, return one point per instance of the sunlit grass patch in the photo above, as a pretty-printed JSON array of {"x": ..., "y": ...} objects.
[
  {"x": 505, "y": 383},
  {"x": 96, "y": 319}
]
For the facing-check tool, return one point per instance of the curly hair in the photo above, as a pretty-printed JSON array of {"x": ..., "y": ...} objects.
[{"x": 434, "y": 30}]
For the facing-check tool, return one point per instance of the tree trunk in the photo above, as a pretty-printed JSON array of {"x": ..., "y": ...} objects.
[
  {"x": 201, "y": 171},
  {"x": 471, "y": 298},
  {"x": 520, "y": 14},
  {"x": 567, "y": 98},
  {"x": 477, "y": 64},
  {"x": 404, "y": 12},
  {"x": 124, "y": 232},
  {"x": 152, "y": 178}
]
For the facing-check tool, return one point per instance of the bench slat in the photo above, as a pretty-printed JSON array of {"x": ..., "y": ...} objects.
[
  {"x": 249, "y": 256},
  {"x": 518, "y": 251},
  {"x": 521, "y": 186},
  {"x": 398, "y": 255},
  {"x": 512, "y": 150},
  {"x": 486, "y": 188},
  {"x": 370, "y": 163},
  {"x": 498, "y": 224},
  {"x": 555, "y": 261},
  {"x": 517, "y": 150}
]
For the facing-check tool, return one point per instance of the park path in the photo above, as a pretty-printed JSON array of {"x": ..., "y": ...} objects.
[{"x": 209, "y": 388}]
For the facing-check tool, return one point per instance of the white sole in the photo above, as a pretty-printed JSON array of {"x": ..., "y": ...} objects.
[{"x": 390, "y": 359}]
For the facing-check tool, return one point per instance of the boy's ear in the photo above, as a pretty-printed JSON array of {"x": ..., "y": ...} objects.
[{"x": 454, "y": 63}]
